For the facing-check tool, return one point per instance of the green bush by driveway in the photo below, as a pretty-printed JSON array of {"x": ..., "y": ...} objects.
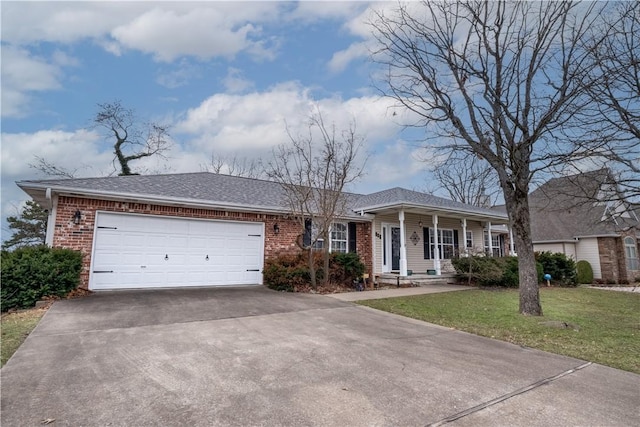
[
  {"x": 595, "y": 325},
  {"x": 30, "y": 273}
]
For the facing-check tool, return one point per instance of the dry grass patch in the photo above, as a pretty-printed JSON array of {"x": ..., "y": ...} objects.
[{"x": 15, "y": 327}]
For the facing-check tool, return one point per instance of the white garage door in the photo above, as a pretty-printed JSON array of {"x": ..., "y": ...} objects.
[{"x": 144, "y": 251}]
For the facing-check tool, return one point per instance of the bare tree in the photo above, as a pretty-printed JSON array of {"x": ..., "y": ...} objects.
[
  {"x": 133, "y": 139},
  {"x": 235, "y": 166},
  {"x": 468, "y": 179},
  {"x": 314, "y": 170},
  {"x": 614, "y": 144},
  {"x": 496, "y": 79},
  {"x": 51, "y": 169}
]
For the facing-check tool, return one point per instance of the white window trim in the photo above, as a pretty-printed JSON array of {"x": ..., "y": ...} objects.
[
  {"x": 346, "y": 237},
  {"x": 467, "y": 238},
  {"x": 441, "y": 245},
  {"x": 631, "y": 253}
]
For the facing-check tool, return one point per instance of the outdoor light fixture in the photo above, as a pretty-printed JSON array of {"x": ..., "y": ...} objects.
[
  {"x": 77, "y": 217},
  {"x": 276, "y": 228},
  {"x": 420, "y": 223}
]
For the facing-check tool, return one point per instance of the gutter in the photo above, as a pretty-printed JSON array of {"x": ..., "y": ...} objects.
[{"x": 437, "y": 208}]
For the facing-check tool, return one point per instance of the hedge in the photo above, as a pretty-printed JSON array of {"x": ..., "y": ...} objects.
[
  {"x": 31, "y": 273},
  {"x": 561, "y": 268},
  {"x": 289, "y": 272},
  {"x": 584, "y": 272},
  {"x": 491, "y": 271}
]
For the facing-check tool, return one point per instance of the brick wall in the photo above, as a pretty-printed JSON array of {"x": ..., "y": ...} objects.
[
  {"x": 80, "y": 236},
  {"x": 609, "y": 263},
  {"x": 613, "y": 261}
]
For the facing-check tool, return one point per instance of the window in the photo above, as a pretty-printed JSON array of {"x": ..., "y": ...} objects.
[
  {"x": 469, "y": 239},
  {"x": 496, "y": 243},
  {"x": 631, "y": 253},
  {"x": 447, "y": 242},
  {"x": 339, "y": 237},
  {"x": 342, "y": 236}
]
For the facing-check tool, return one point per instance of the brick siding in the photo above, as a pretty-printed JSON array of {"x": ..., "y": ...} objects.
[
  {"x": 613, "y": 261},
  {"x": 80, "y": 236}
]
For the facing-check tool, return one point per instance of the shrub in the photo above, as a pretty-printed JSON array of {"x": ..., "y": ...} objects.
[
  {"x": 286, "y": 272},
  {"x": 289, "y": 272},
  {"x": 346, "y": 267},
  {"x": 31, "y": 273},
  {"x": 489, "y": 271},
  {"x": 561, "y": 268},
  {"x": 584, "y": 273}
]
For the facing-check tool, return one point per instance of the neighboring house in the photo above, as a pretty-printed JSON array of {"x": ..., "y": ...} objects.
[
  {"x": 204, "y": 229},
  {"x": 571, "y": 215}
]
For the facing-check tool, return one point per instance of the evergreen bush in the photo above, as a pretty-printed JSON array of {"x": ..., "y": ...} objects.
[
  {"x": 584, "y": 272},
  {"x": 31, "y": 273}
]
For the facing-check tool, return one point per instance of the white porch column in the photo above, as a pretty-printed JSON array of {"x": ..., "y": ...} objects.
[
  {"x": 490, "y": 238},
  {"x": 464, "y": 237},
  {"x": 512, "y": 251},
  {"x": 436, "y": 244},
  {"x": 403, "y": 247}
]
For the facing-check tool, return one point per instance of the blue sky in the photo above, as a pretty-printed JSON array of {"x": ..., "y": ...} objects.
[{"x": 224, "y": 75}]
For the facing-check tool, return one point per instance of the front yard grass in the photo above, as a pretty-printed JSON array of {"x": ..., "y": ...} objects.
[
  {"x": 15, "y": 328},
  {"x": 604, "y": 326}
]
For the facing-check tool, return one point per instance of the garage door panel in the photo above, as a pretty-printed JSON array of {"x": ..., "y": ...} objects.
[{"x": 197, "y": 252}]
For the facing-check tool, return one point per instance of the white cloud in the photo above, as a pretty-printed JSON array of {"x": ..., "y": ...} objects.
[
  {"x": 180, "y": 75},
  {"x": 168, "y": 34},
  {"x": 234, "y": 81},
  {"x": 23, "y": 73},
  {"x": 341, "y": 59}
]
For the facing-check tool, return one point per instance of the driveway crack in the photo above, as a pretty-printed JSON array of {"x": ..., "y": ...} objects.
[{"x": 504, "y": 397}]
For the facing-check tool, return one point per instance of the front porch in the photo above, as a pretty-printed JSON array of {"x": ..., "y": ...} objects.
[{"x": 420, "y": 279}]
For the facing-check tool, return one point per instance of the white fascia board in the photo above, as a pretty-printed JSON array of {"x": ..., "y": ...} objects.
[{"x": 497, "y": 216}]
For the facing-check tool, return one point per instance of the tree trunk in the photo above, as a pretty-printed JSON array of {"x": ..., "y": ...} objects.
[
  {"x": 528, "y": 275},
  {"x": 312, "y": 269}
]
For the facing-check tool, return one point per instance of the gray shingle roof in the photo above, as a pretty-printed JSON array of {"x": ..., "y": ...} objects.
[
  {"x": 398, "y": 195},
  {"x": 568, "y": 207},
  {"x": 226, "y": 190}
]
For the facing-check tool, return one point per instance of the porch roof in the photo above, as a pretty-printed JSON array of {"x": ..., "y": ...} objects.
[{"x": 395, "y": 199}]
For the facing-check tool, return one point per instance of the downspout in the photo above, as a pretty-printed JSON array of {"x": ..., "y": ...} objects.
[{"x": 51, "y": 219}]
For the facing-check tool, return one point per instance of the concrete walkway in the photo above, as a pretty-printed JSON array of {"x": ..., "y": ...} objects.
[{"x": 399, "y": 292}]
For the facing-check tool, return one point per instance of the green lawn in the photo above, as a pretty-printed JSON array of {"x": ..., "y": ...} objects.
[
  {"x": 608, "y": 322},
  {"x": 15, "y": 329}
]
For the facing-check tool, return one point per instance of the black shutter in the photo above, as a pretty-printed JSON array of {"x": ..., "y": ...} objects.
[
  {"x": 306, "y": 238},
  {"x": 351, "y": 231},
  {"x": 427, "y": 243},
  {"x": 456, "y": 248}
]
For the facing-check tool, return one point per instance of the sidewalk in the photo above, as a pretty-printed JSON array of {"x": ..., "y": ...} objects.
[{"x": 399, "y": 292}]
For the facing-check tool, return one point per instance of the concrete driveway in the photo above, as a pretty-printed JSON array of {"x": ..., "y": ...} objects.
[{"x": 255, "y": 357}]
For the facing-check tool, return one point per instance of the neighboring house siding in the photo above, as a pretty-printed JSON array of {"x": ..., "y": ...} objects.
[
  {"x": 549, "y": 247},
  {"x": 587, "y": 250},
  {"x": 80, "y": 237}
]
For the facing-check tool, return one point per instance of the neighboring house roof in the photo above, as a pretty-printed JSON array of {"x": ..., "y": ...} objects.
[
  {"x": 218, "y": 191},
  {"x": 571, "y": 207}
]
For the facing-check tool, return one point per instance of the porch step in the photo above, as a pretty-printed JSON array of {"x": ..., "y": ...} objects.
[{"x": 415, "y": 280}]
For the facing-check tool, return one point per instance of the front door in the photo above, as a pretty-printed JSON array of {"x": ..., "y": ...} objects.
[{"x": 390, "y": 248}]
